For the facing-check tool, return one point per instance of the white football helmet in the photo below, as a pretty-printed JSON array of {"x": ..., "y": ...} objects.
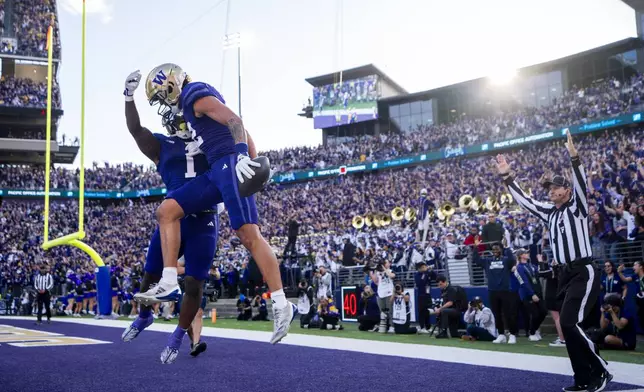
[{"x": 423, "y": 192}]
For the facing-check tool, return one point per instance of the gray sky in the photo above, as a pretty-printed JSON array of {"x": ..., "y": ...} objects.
[{"x": 421, "y": 44}]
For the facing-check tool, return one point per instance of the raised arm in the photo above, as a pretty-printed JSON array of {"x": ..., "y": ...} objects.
[
  {"x": 579, "y": 181},
  {"x": 536, "y": 208},
  {"x": 146, "y": 142}
]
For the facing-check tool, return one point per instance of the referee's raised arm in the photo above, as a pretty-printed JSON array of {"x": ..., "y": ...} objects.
[
  {"x": 536, "y": 208},
  {"x": 580, "y": 182}
]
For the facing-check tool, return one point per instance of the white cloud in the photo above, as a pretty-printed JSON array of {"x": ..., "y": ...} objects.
[{"x": 101, "y": 8}]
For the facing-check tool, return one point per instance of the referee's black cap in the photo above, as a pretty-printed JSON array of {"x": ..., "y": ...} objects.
[{"x": 557, "y": 181}]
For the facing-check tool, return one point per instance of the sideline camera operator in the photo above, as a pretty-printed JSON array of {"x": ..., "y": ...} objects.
[
  {"x": 449, "y": 313},
  {"x": 402, "y": 313},
  {"x": 481, "y": 324},
  {"x": 617, "y": 325},
  {"x": 305, "y": 306},
  {"x": 369, "y": 311},
  {"x": 381, "y": 275}
]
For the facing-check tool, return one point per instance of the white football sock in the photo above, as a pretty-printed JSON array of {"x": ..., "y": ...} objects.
[
  {"x": 169, "y": 275},
  {"x": 279, "y": 298}
]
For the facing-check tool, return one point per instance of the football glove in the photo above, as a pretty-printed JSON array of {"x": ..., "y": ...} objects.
[{"x": 131, "y": 84}]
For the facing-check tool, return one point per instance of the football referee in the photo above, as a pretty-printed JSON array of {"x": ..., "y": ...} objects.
[
  {"x": 567, "y": 218},
  {"x": 43, "y": 283}
]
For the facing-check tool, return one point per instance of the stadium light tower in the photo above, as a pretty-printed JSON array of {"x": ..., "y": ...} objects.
[{"x": 232, "y": 41}]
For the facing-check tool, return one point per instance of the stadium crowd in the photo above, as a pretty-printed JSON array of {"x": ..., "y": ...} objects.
[
  {"x": 30, "y": 22},
  {"x": 613, "y": 160},
  {"x": 603, "y": 99},
  {"x": 22, "y": 92}
]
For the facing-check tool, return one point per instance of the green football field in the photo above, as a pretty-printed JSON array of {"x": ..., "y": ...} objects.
[
  {"x": 351, "y": 331},
  {"x": 353, "y": 104}
]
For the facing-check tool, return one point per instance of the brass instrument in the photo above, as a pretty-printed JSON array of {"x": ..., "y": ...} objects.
[
  {"x": 369, "y": 220},
  {"x": 476, "y": 204},
  {"x": 358, "y": 222},
  {"x": 410, "y": 214},
  {"x": 506, "y": 199},
  {"x": 377, "y": 220},
  {"x": 447, "y": 209},
  {"x": 491, "y": 204},
  {"x": 397, "y": 214},
  {"x": 465, "y": 201},
  {"x": 385, "y": 220}
]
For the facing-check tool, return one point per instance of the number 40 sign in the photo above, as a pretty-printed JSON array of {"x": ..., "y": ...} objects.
[{"x": 350, "y": 297}]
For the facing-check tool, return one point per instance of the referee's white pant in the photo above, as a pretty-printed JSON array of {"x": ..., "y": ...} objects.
[{"x": 579, "y": 286}]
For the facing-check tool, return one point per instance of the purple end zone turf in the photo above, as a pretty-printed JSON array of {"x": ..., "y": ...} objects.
[{"x": 234, "y": 365}]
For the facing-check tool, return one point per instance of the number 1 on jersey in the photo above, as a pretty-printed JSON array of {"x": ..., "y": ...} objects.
[{"x": 190, "y": 167}]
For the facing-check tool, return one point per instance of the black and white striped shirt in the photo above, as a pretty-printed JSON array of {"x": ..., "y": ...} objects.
[
  {"x": 44, "y": 282},
  {"x": 567, "y": 225}
]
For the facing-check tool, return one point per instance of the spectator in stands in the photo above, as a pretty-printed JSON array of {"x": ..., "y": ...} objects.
[
  {"x": 474, "y": 238},
  {"x": 22, "y": 92},
  {"x": 348, "y": 253},
  {"x": 611, "y": 281},
  {"x": 448, "y": 314},
  {"x": 480, "y": 322},
  {"x": 493, "y": 231},
  {"x": 617, "y": 325},
  {"x": 31, "y": 20}
]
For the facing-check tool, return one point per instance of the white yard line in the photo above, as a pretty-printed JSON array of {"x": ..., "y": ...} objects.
[{"x": 623, "y": 372}]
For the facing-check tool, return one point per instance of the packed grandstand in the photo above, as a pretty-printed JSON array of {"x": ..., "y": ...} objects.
[{"x": 324, "y": 209}]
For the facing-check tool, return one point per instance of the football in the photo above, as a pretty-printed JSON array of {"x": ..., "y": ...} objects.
[{"x": 259, "y": 180}]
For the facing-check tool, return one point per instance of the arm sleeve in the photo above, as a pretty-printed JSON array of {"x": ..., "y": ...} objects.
[
  {"x": 485, "y": 316},
  {"x": 524, "y": 280},
  {"x": 469, "y": 316},
  {"x": 580, "y": 188},
  {"x": 50, "y": 282},
  {"x": 195, "y": 91},
  {"x": 536, "y": 208}
]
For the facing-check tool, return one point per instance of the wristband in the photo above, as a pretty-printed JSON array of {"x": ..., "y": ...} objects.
[
  {"x": 241, "y": 148},
  {"x": 128, "y": 98}
]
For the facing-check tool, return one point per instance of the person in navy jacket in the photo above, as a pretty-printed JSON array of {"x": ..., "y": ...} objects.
[
  {"x": 503, "y": 303},
  {"x": 422, "y": 279},
  {"x": 369, "y": 311},
  {"x": 531, "y": 293}
]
